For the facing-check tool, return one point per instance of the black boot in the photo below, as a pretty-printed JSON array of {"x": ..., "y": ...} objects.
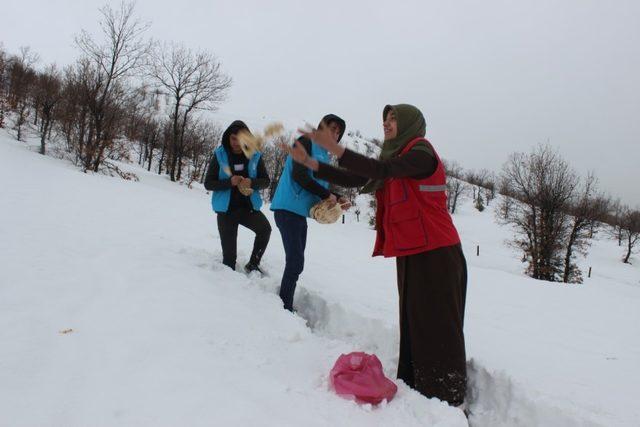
[
  {"x": 254, "y": 262},
  {"x": 250, "y": 267}
]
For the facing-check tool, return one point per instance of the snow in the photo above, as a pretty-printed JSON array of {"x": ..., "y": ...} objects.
[{"x": 163, "y": 334}]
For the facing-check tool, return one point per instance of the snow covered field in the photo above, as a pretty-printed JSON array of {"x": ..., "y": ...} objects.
[{"x": 159, "y": 333}]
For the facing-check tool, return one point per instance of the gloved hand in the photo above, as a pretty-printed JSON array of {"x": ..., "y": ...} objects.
[{"x": 326, "y": 211}]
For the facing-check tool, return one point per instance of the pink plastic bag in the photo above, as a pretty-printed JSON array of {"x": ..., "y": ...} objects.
[{"x": 359, "y": 375}]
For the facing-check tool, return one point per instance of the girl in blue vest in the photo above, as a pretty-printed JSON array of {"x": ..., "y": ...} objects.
[
  {"x": 228, "y": 169},
  {"x": 298, "y": 190}
]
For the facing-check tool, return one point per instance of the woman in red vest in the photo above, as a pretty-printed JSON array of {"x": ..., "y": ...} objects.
[{"x": 414, "y": 226}]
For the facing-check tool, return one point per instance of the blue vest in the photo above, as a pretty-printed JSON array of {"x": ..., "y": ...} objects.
[
  {"x": 290, "y": 196},
  {"x": 220, "y": 199}
]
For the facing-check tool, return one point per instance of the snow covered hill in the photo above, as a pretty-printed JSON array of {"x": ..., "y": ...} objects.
[{"x": 115, "y": 309}]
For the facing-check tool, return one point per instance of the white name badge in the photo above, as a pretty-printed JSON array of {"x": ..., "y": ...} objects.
[{"x": 238, "y": 168}]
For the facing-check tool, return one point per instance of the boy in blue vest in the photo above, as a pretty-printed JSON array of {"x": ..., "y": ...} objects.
[
  {"x": 298, "y": 190},
  {"x": 230, "y": 169}
]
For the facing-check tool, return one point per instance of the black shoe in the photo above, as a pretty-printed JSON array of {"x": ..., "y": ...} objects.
[{"x": 251, "y": 267}]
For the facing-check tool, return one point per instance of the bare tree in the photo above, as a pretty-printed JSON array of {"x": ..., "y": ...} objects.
[
  {"x": 193, "y": 81},
  {"x": 507, "y": 202},
  {"x": 149, "y": 139},
  {"x": 141, "y": 123},
  {"x": 456, "y": 188},
  {"x": 22, "y": 78},
  {"x": 453, "y": 168},
  {"x": 614, "y": 219},
  {"x": 488, "y": 185},
  {"x": 200, "y": 142},
  {"x": 4, "y": 82},
  {"x": 48, "y": 92},
  {"x": 631, "y": 232},
  {"x": 601, "y": 210},
  {"x": 544, "y": 184},
  {"x": 482, "y": 180},
  {"x": 165, "y": 138},
  {"x": 72, "y": 115},
  {"x": 121, "y": 54},
  {"x": 586, "y": 211}
]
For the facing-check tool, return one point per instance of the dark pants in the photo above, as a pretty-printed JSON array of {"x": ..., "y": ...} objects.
[
  {"x": 293, "y": 229},
  {"x": 433, "y": 288},
  {"x": 228, "y": 228}
]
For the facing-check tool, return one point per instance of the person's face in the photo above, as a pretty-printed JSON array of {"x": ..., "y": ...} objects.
[
  {"x": 390, "y": 126},
  {"x": 234, "y": 142},
  {"x": 333, "y": 129}
]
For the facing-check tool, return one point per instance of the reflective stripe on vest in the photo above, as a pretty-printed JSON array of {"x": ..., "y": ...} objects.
[{"x": 433, "y": 188}]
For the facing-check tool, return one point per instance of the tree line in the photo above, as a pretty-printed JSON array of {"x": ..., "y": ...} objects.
[
  {"x": 124, "y": 97},
  {"x": 554, "y": 212}
]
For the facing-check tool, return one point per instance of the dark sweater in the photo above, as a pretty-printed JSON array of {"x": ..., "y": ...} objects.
[
  {"x": 239, "y": 166},
  {"x": 355, "y": 169}
]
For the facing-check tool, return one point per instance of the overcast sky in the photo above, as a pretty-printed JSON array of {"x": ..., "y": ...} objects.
[{"x": 492, "y": 77}]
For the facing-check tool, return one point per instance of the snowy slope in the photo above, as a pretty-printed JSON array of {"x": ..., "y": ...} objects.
[{"x": 162, "y": 334}]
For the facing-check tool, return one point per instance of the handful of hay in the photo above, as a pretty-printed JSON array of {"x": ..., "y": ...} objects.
[
  {"x": 250, "y": 144},
  {"x": 324, "y": 213},
  {"x": 244, "y": 189}
]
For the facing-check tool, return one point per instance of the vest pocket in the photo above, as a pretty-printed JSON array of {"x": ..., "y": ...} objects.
[
  {"x": 405, "y": 221},
  {"x": 397, "y": 192},
  {"x": 408, "y": 233}
]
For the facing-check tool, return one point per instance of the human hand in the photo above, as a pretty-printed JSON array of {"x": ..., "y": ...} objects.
[
  {"x": 235, "y": 180},
  {"x": 332, "y": 200},
  {"x": 323, "y": 137},
  {"x": 245, "y": 182},
  {"x": 300, "y": 155},
  {"x": 345, "y": 204}
]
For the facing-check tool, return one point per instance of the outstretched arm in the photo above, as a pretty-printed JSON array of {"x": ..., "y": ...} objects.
[
  {"x": 414, "y": 164},
  {"x": 339, "y": 176}
]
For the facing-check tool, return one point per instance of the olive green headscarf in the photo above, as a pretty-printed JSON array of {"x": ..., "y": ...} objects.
[{"x": 411, "y": 124}]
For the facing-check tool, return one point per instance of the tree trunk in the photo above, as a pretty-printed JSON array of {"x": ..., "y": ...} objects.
[
  {"x": 21, "y": 120},
  {"x": 150, "y": 157},
  {"x": 174, "y": 142},
  {"x": 567, "y": 257},
  {"x": 81, "y": 132},
  {"x": 96, "y": 144},
  {"x": 629, "y": 247},
  {"x": 179, "y": 174},
  {"x": 43, "y": 135},
  {"x": 140, "y": 154},
  {"x": 164, "y": 149},
  {"x": 98, "y": 158}
]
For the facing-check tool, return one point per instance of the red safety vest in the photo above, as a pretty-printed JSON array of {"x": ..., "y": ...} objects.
[{"x": 412, "y": 215}]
